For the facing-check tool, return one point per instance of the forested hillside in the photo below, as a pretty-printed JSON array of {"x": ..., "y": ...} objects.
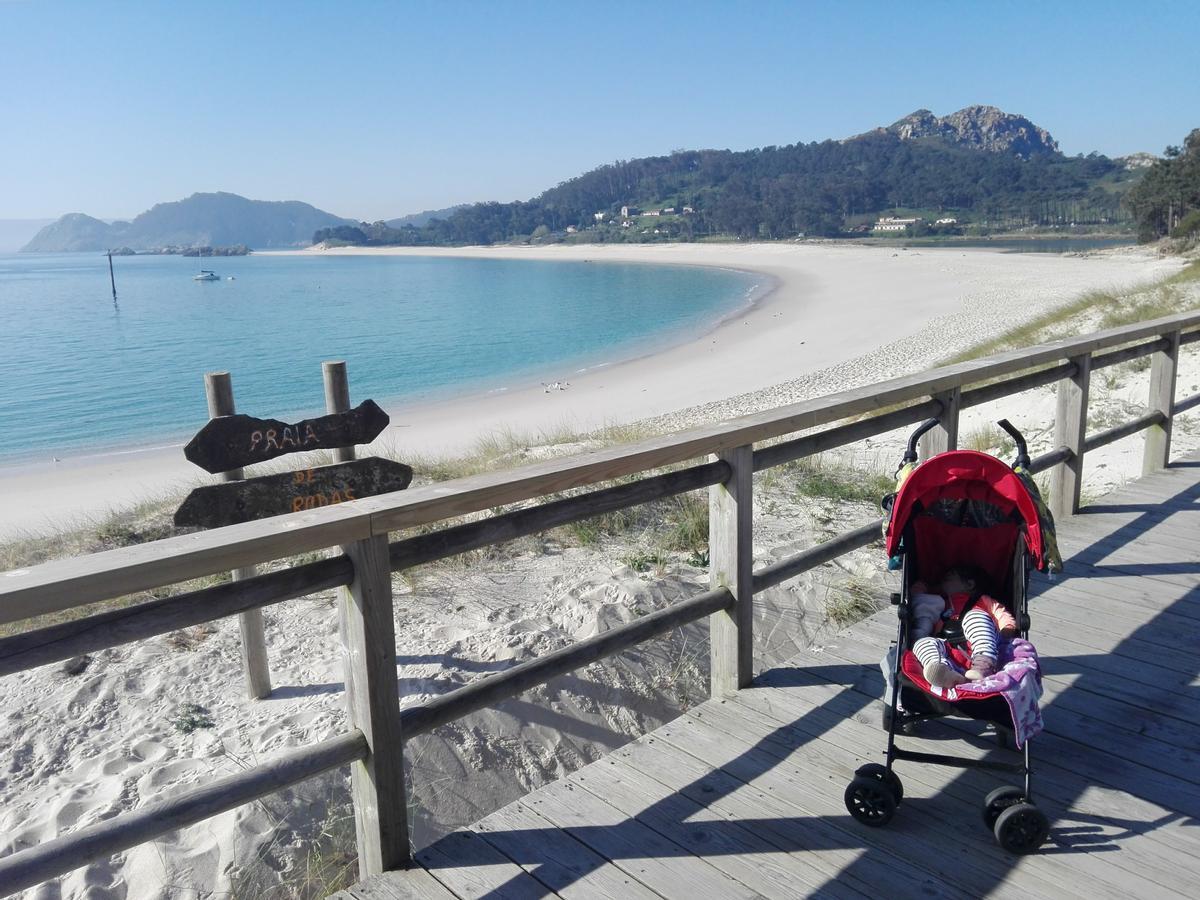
[
  {"x": 816, "y": 189},
  {"x": 1167, "y": 200}
]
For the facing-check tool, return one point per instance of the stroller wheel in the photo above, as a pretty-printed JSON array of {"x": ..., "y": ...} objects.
[
  {"x": 870, "y": 801},
  {"x": 1021, "y": 828},
  {"x": 998, "y": 801},
  {"x": 882, "y": 775}
]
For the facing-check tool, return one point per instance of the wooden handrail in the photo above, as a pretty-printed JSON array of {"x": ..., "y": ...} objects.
[
  {"x": 361, "y": 528},
  {"x": 51, "y": 858},
  {"x": 59, "y": 585}
]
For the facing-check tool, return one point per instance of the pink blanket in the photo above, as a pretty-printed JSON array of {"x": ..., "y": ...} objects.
[{"x": 1018, "y": 680}]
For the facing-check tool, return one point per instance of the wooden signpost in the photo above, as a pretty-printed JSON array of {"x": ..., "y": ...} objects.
[
  {"x": 230, "y": 442},
  {"x": 272, "y": 495}
]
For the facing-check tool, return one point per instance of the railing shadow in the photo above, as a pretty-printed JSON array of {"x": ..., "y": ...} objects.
[{"x": 882, "y": 856}]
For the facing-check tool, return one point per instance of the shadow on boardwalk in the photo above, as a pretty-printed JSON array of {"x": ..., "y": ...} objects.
[{"x": 743, "y": 797}]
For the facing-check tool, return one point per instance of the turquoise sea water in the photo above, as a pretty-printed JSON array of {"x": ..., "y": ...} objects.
[{"x": 80, "y": 372}]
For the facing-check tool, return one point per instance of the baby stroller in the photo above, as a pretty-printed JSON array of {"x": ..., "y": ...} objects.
[{"x": 963, "y": 507}]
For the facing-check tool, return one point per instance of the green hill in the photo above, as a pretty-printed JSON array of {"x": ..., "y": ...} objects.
[{"x": 218, "y": 219}]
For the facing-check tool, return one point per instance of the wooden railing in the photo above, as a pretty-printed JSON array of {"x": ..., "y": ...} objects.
[{"x": 373, "y": 743}]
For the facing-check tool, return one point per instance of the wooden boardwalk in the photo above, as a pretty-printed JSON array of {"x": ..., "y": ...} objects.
[{"x": 743, "y": 797}]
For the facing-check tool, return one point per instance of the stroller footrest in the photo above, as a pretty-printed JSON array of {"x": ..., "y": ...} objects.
[{"x": 961, "y": 762}]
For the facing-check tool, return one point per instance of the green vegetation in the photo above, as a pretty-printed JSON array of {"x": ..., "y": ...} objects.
[
  {"x": 1167, "y": 200},
  {"x": 775, "y": 193},
  {"x": 191, "y": 716},
  {"x": 829, "y": 481}
]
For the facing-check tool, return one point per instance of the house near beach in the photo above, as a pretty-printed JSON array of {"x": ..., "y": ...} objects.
[{"x": 893, "y": 223}]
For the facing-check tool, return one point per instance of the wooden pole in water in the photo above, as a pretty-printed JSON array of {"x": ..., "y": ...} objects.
[
  {"x": 219, "y": 388},
  {"x": 112, "y": 278}
]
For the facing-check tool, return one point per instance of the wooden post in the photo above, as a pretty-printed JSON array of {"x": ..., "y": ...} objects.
[
  {"x": 337, "y": 399},
  {"x": 372, "y": 697},
  {"x": 219, "y": 389},
  {"x": 1070, "y": 430},
  {"x": 731, "y": 558},
  {"x": 945, "y": 436},
  {"x": 1157, "y": 452}
]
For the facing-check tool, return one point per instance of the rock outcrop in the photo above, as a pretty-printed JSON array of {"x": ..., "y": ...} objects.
[{"x": 979, "y": 127}]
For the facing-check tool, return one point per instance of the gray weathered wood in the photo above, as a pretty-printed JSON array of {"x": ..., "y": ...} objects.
[
  {"x": 1188, "y": 403},
  {"x": 70, "y": 851},
  {"x": 781, "y": 571},
  {"x": 256, "y": 668},
  {"x": 60, "y": 585},
  {"x": 1117, "y": 432},
  {"x": 373, "y": 701},
  {"x": 1137, "y": 351},
  {"x": 337, "y": 399},
  {"x": 1163, "y": 364},
  {"x": 496, "y": 529},
  {"x": 731, "y": 562},
  {"x": 120, "y": 626},
  {"x": 1007, "y": 387},
  {"x": 1070, "y": 431},
  {"x": 810, "y": 444},
  {"x": 492, "y": 689},
  {"x": 944, "y": 435}
]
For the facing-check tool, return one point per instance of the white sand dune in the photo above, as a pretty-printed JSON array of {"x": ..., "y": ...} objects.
[{"x": 79, "y": 748}]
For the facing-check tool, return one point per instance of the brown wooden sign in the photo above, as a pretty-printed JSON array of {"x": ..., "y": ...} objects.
[
  {"x": 230, "y": 442},
  {"x": 272, "y": 495}
]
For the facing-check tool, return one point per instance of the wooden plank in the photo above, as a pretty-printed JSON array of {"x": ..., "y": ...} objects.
[
  {"x": 658, "y": 863},
  {"x": 943, "y": 436},
  {"x": 797, "y": 697},
  {"x": 948, "y": 802},
  {"x": 813, "y": 775},
  {"x": 337, "y": 400},
  {"x": 820, "y": 712},
  {"x": 1163, "y": 365},
  {"x": 471, "y": 867},
  {"x": 214, "y": 505},
  {"x": 231, "y": 441},
  {"x": 1070, "y": 431},
  {"x": 826, "y": 848},
  {"x": 563, "y": 864},
  {"x": 405, "y": 884},
  {"x": 741, "y": 852},
  {"x": 120, "y": 626},
  {"x": 256, "y": 668},
  {"x": 64, "y": 584},
  {"x": 1128, "y": 763},
  {"x": 731, "y": 567},
  {"x": 63, "y": 854},
  {"x": 372, "y": 699},
  {"x": 492, "y": 689},
  {"x": 46, "y": 588}
]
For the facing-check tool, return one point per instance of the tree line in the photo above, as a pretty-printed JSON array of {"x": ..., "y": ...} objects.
[
  {"x": 779, "y": 192},
  {"x": 1167, "y": 200}
]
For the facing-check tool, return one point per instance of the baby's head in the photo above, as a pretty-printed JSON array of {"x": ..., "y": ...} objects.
[{"x": 963, "y": 580}]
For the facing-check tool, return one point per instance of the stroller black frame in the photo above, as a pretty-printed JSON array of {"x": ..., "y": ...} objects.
[{"x": 876, "y": 791}]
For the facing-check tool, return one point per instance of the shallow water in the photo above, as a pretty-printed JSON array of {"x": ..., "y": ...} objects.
[{"x": 82, "y": 371}]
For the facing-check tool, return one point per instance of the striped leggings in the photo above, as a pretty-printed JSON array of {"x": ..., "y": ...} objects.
[{"x": 982, "y": 639}]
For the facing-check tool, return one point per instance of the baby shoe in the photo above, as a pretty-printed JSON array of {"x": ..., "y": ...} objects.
[
  {"x": 981, "y": 667},
  {"x": 939, "y": 674}
]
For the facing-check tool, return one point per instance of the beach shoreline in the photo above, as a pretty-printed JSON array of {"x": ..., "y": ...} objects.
[{"x": 821, "y": 308}]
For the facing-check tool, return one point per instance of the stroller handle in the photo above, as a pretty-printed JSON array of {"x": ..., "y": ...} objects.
[
  {"x": 910, "y": 455},
  {"x": 1018, "y": 439}
]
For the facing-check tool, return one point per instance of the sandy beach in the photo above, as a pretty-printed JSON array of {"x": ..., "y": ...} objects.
[
  {"x": 830, "y": 313},
  {"x": 114, "y": 730}
]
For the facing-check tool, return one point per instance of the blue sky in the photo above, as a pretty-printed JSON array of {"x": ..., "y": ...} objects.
[{"x": 375, "y": 110}]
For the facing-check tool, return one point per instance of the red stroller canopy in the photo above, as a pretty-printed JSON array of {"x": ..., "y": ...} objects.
[{"x": 965, "y": 475}]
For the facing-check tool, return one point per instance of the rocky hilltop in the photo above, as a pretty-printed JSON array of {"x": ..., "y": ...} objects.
[
  {"x": 978, "y": 127},
  {"x": 216, "y": 219}
]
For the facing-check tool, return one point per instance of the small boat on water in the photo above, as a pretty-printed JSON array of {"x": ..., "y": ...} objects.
[{"x": 205, "y": 274}]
